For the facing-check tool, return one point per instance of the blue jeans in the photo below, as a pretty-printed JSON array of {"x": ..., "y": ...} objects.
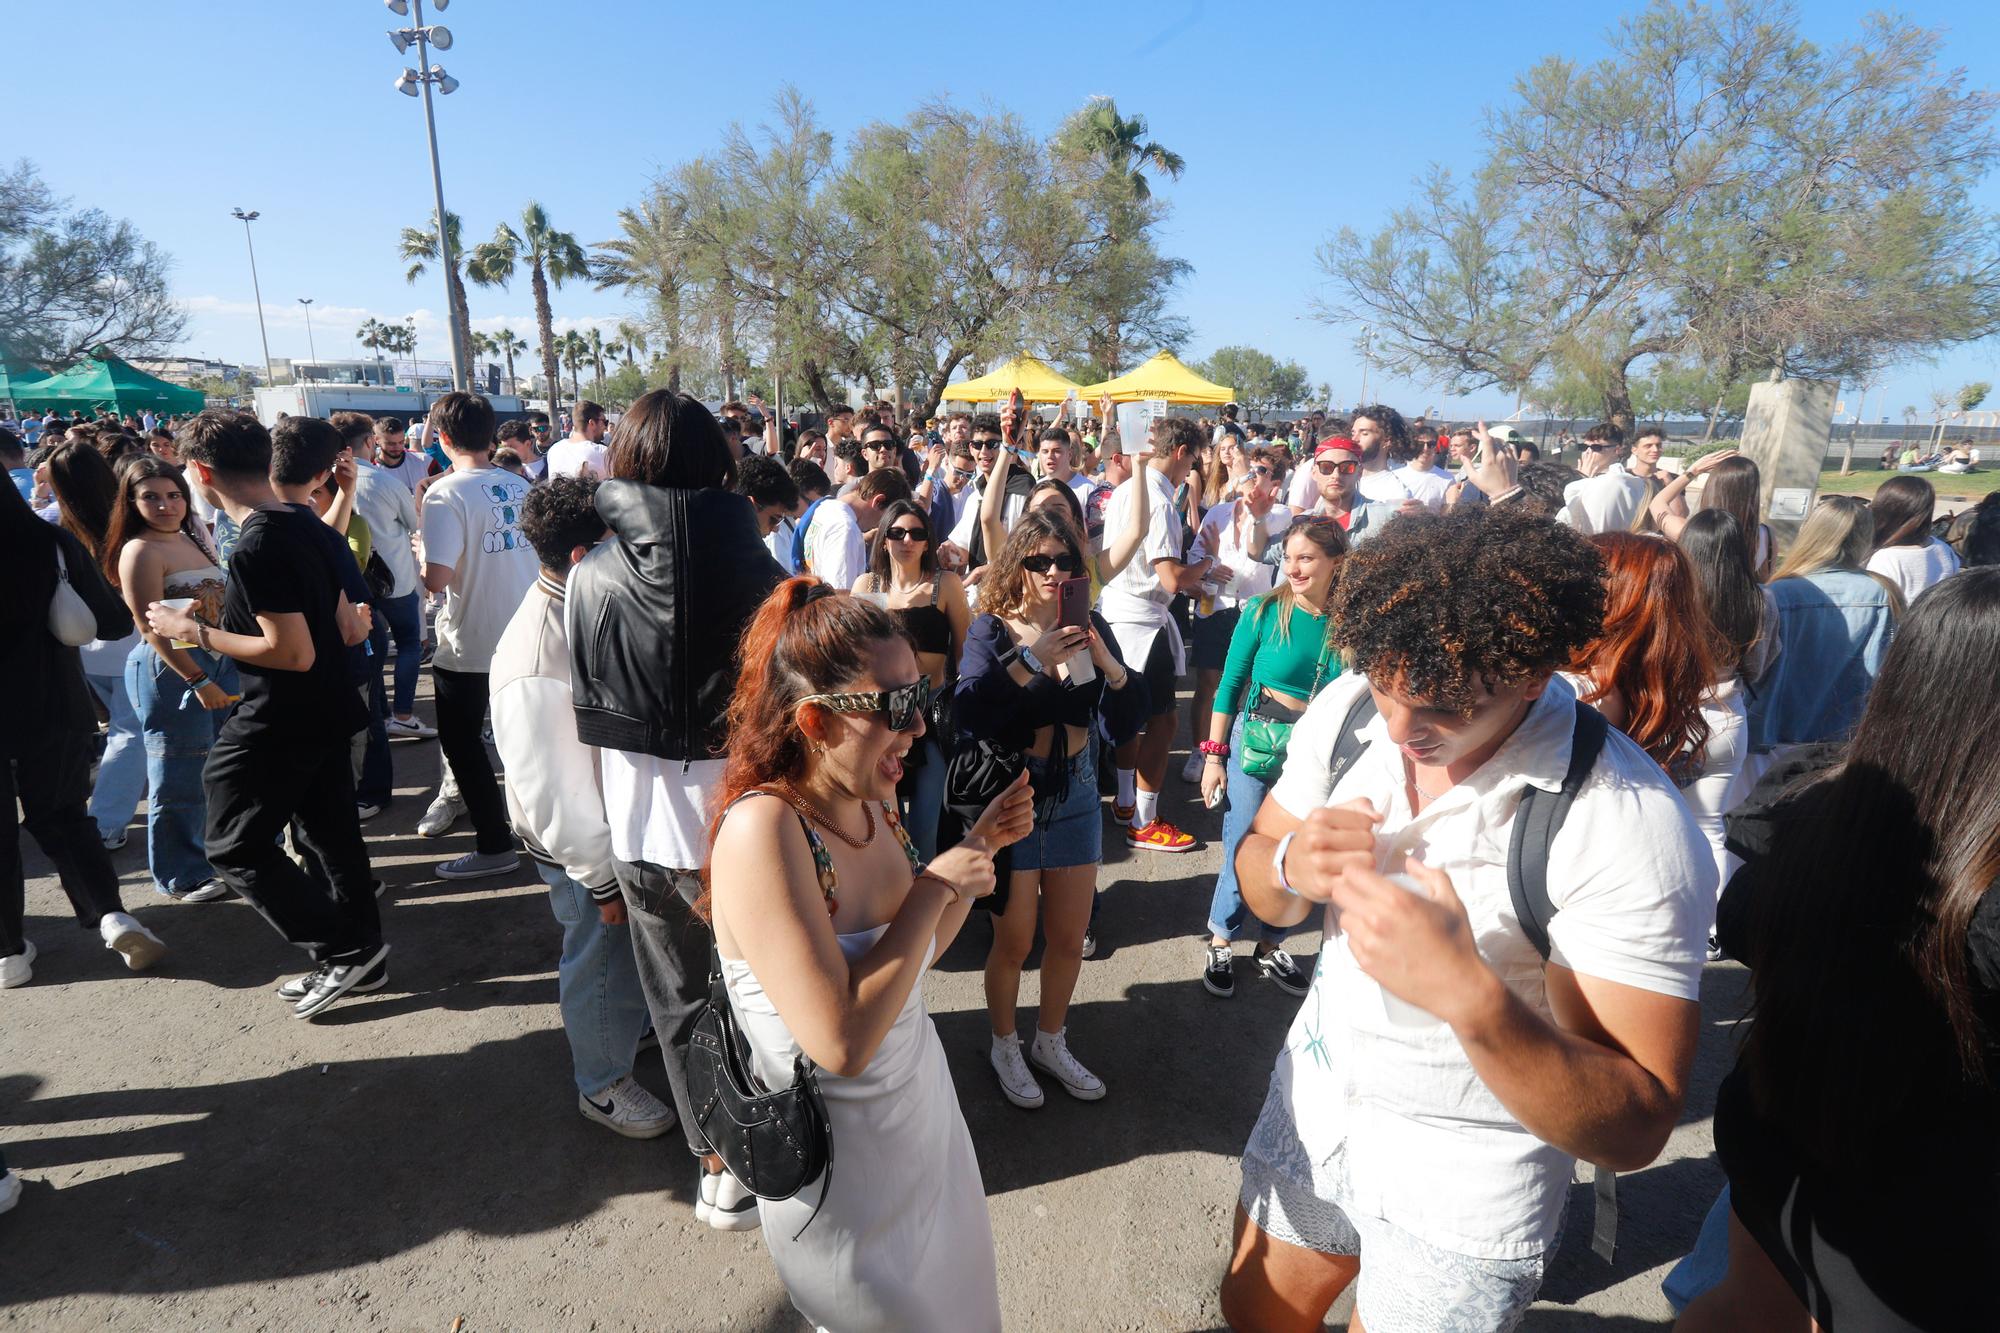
[
  {"x": 1228, "y": 914},
  {"x": 121, "y": 771},
  {"x": 375, "y": 777},
  {"x": 403, "y": 617},
  {"x": 597, "y": 985},
  {"x": 177, "y": 744},
  {"x": 921, "y": 799}
]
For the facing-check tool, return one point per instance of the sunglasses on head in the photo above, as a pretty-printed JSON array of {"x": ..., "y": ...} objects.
[
  {"x": 1328, "y": 467},
  {"x": 900, "y": 707},
  {"x": 905, "y": 535},
  {"x": 1042, "y": 564}
]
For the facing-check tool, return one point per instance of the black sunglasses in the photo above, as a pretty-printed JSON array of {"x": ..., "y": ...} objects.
[
  {"x": 1599, "y": 448},
  {"x": 901, "y": 707},
  {"x": 1042, "y": 564},
  {"x": 905, "y": 535}
]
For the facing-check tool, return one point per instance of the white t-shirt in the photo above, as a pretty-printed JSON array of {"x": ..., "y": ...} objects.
[
  {"x": 1429, "y": 485},
  {"x": 1302, "y": 491},
  {"x": 968, "y": 517},
  {"x": 1135, "y": 596},
  {"x": 1915, "y": 568},
  {"x": 1386, "y": 487},
  {"x": 472, "y": 522},
  {"x": 1428, "y": 1147},
  {"x": 658, "y": 808},
  {"x": 1248, "y": 575},
  {"x": 779, "y": 543},
  {"x": 835, "y": 550},
  {"x": 1611, "y": 501},
  {"x": 391, "y": 512},
  {"x": 572, "y": 456}
]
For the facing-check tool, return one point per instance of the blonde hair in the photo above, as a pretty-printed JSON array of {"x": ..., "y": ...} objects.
[{"x": 1838, "y": 534}]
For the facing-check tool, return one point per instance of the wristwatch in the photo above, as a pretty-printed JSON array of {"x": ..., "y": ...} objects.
[{"x": 1026, "y": 657}]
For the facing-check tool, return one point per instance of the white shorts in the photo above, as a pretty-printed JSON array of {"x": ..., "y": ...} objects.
[{"x": 1406, "y": 1285}]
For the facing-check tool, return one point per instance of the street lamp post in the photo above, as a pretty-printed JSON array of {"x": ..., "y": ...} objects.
[
  {"x": 417, "y": 82},
  {"x": 246, "y": 219},
  {"x": 311, "y": 346}
]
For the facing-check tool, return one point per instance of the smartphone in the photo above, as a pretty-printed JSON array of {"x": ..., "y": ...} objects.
[
  {"x": 1073, "y": 610},
  {"x": 1020, "y": 406}
]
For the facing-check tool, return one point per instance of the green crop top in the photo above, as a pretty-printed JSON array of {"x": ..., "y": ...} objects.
[{"x": 1256, "y": 657}]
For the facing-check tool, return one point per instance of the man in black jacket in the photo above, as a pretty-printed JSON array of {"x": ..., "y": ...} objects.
[{"x": 654, "y": 617}]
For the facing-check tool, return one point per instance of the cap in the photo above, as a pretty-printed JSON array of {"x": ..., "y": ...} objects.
[
  {"x": 1506, "y": 434},
  {"x": 1339, "y": 444}
]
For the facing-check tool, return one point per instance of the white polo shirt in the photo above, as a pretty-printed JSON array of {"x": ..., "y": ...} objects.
[
  {"x": 1611, "y": 501},
  {"x": 1428, "y": 1147}
]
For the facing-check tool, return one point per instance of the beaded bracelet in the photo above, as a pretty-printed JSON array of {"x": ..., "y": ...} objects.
[{"x": 1216, "y": 748}]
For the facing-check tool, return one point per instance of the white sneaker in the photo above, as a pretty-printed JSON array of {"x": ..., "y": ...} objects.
[
  {"x": 628, "y": 1109},
  {"x": 18, "y": 969},
  {"x": 1050, "y": 1054},
  {"x": 413, "y": 730},
  {"x": 1191, "y": 770},
  {"x": 10, "y": 1190},
  {"x": 140, "y": 947},
  {"x": 733, "y": 1207},
  {"x": 437, "y": 820},
  {"x": 1016, "y": 1083}
]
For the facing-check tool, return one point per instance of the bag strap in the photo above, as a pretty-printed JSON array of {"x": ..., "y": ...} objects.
[
  {"x": 1350, "y": 747},
  {"x": 1538, "y": 820}
]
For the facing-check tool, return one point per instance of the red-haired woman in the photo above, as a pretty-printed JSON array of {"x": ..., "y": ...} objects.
[
  {"x": 1652, "y": 673},
  {"x": 826, "y": 921}
]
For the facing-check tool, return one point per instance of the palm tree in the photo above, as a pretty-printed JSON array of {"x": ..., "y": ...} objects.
[
  {"x": 552, "y": 257},
  {"x": 650, "y": 259},
  {"x": 631, "y": 340},
  {"x": 1119, "y": 144},
  {"x": 371, "y": 336},
  {"x": 594, "y": 340},
  {"x": 505, "y": 343},
  {"x": 419, "y": 245},
  {"x": 574, "y": 351}
]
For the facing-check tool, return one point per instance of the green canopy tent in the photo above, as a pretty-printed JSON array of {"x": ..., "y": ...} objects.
[
  {"x": 102, "y": 380},
  {"x": 17, "y": 375}
]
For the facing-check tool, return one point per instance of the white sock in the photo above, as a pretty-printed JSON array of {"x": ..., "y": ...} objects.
[
  {"x": 1148, "y": 810},
  {"x": 1128, "y": 785}
]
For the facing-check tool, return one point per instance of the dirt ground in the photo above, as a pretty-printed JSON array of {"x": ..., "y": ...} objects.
[{"x": 195, "y": 1158}]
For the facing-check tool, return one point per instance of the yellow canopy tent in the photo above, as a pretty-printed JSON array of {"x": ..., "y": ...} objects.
[
  {"x": 1162, "y": 377},
  {"x": 1031, "y": 375}
]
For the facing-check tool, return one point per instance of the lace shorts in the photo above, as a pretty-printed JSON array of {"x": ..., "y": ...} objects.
[{"x": 1406, "y": 1285}]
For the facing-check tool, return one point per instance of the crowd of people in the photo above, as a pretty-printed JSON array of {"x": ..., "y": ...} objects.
[{"x": 779, "y": 709}]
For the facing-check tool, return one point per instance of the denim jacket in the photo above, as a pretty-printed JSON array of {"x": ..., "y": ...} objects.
[{"x": 1835, "y": 628}]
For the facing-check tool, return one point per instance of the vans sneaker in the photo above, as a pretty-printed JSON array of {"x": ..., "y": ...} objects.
[
  {"x": 1218, "y": 975},
  {"x": 1050, "y": 1054},
  {"x": 140, "y": 947},
  {"x": 1278, "y": 967},
  {"x": 1016, "y": 1083},
  {"x": 628, "y": 1109}
]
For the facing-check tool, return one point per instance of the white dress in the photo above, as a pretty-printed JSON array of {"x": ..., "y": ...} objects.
[{"x": 903, "y": 1240}]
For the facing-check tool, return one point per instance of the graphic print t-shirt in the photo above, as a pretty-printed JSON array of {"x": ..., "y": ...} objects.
[
  {"x": 472, "y": 522},
  {"x": 283, "y": 565}
]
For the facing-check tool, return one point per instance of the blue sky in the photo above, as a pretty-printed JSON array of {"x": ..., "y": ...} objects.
[{"x": 1286, "y": 113}]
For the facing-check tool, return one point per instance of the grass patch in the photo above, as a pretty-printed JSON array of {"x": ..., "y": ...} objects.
[{"x": 1866, "y": 481}]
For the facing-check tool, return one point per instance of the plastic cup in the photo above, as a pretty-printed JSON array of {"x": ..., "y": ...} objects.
[
  {"x": 180, "y": 604},
  {"x": 1401, "y": 1012}
]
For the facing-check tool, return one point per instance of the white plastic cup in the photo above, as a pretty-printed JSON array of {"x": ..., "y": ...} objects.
[
  {"x": 1401, "y": 1012},
  {"x": 180, "y": 604}
]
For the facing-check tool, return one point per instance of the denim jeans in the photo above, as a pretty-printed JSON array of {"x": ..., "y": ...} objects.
[
  {"x": 1228, "y": 914},
  {"x": 671, "y": 946},
  {"x": 177, "y": 743},
  {"x": 920, "y": 799},
  {"x": 121, "y": 770},
  {"x": 403, "y": 617},
  {"x": 603, "y": 1009}
]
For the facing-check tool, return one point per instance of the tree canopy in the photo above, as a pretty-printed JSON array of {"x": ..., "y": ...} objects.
[{"x": 1717, "y": 190}]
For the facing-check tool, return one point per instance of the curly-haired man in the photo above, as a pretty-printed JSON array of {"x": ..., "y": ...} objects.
[{"x": 1447, "y": 1066}]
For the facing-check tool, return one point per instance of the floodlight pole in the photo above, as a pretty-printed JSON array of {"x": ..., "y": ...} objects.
[
  {"x": 270, "y": 376},
  {"x": 311, "y": 346},
  {"x": 437, "y": 191}
]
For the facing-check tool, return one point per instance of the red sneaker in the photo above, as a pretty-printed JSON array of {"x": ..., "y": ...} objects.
[{"x": 1159, "y": 836}]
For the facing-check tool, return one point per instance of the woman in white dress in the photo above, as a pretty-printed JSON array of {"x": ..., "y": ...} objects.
[{"x": 825, "y": 923}]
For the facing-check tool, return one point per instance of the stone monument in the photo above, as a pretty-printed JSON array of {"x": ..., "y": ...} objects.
[{"x": 1786, "y": 431}]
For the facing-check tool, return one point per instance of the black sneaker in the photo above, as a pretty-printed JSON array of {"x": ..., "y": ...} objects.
[
  {"x": 1219, "y": 976},
  {"x": 1277, "y": 965},
  {"x": 298, "y": 987},
  {"x": 330, "y": 984},
  {"x": 1089, "y": 941}
]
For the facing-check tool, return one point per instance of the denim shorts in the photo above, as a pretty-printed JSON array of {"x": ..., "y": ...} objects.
[
  {"x": 1407, "y": 1284},
  {"x": 1071, "y": 833},
  {"x": 1211, "y": 638}
]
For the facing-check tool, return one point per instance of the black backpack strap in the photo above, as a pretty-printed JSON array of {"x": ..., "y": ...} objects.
[
  {"x": 1350, "y": 747},
  {"x": 1536, "y": 824}
]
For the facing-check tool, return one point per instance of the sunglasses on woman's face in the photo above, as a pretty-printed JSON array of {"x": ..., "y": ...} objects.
[
  {"x": 906, "y": 535},
  {"x": 900, "y": 707},
  {"x": 1042, "y": 564},
  {"x": 1326, "y": 467}
]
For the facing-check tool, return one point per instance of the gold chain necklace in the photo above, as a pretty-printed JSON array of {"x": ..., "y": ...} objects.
[
  {"x": 1419, "y": 787},
  {"x": 812, "y": 812}
]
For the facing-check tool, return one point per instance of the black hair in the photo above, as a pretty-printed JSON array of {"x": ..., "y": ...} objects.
[
  {"x": 986, "y": 423},
  {"x": 1713, "y": 540},
  {"x": 670, "y": 439},
  {"x": 560, "y": 515},
  {"x": 1544, "y": 482},
  {"x": 391, "y": 426},
  {"x": 765, "y": 481},
  {"x": 878, "y": 545},
  {"x": 1393, "y": 426},
  {"x": 885, "y": 483},
  {"x": 809, "y": 477},
  {"x": 1529, "y": 450},
  {"x": 227, "y": 441},
  {"x": 1450, "y": 606},
  {"x": 351, "y": 425},
  {"x": 586, "y": 412},
  {"x": 512, "y": 432},
  {"x": 466, "y": 419},
  {"x": 302, "y": 448}
]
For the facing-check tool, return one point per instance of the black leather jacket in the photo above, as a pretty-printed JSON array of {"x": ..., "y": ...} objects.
[{"x": 654, "y": 618}]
